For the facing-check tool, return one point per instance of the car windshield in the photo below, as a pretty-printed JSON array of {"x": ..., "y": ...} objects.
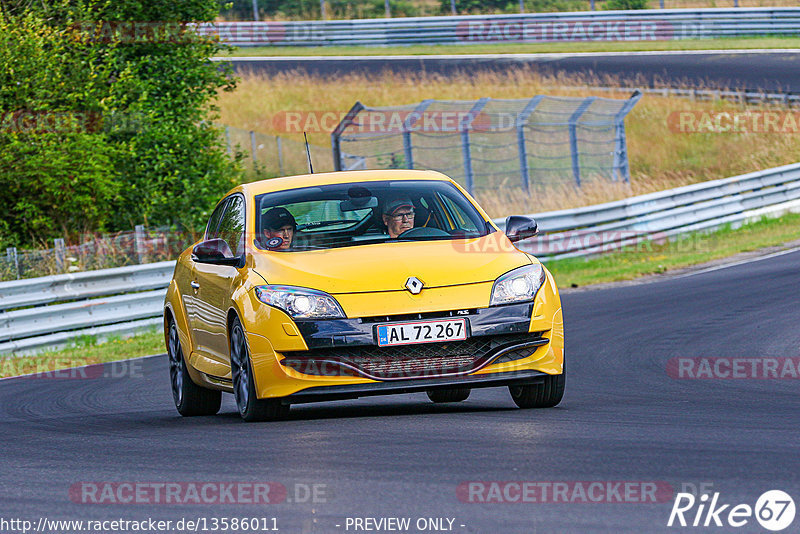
[{"x": 352, "y": 214}]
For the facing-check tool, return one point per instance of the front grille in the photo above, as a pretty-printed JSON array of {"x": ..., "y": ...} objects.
[{"x": 405, "y": 361}]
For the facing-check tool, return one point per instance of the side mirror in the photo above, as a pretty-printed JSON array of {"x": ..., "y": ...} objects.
[
  {"x": 519, "y": 227},
  {"x": 215, "y": 252}
]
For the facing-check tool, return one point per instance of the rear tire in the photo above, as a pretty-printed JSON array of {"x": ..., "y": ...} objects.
[
  {"x": 190, "y": 399},
  {"x": 250, "y": 407},
  {"x": 449, "y": 395},
  {"x": 543, "y": 395}
]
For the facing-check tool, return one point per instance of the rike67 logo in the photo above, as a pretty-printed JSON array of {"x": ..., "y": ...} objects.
[{"x": 774, "y": 510}]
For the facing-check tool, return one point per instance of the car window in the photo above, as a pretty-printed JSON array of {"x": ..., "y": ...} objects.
[
  {"x": 459, "y": 217},
  {"x": 231, "y": 226},
  {"x": 353, "y": 214},
  {"x": 213, "y": 221}
]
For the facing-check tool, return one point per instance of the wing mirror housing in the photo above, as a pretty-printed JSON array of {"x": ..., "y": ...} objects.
[
  {"x": 519, "y": 227},
  {"x": 215, "y": 252}
]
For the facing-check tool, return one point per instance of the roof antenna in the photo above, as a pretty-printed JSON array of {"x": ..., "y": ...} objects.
[{"x": 308, "y": 153}]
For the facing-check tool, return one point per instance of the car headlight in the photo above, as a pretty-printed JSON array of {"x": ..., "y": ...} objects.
[
  {"x": 519, "y": 285},
  {"x": 300, "y": 302}
]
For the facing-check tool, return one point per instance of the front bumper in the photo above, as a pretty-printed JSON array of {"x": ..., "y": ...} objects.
[{"x": 341, "y": 358}]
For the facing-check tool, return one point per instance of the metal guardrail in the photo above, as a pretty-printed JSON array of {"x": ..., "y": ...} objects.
[
  {"x": 664, "y": 215},
  {"x": 643, "y": 25},
  {"x": 129, "y": 299}
]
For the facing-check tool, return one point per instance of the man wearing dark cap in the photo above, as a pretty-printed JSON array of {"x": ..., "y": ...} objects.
[
  {"x": 398, "y": 215},
  {"x": 278, "y": 222}
]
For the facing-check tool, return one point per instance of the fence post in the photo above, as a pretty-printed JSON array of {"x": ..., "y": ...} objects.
[
  {"x": 228, "y": 140},
  {"x": 412, "y": 118},
  {"x": 336, "y": 134},
  {"x": 453, "y": 7},
  {"x": 620, "y": 165},
  {"x": 522, "y": 119},
  {"x": 322, "y": 9},
  {"x": 280, "y": 153},
  {"x": 60, "y": 252},
  {"x": 387, "y": 8},
  {"x": 573, "y": 137},
  {"x": 138, "y": 236},
  {"x": 11, "y": 254},
  {"x": 466, "y": 124},
  {"x": 253, "y": 148},
  {"x": 522, "y": 6},
  {"x": 255, "y": 10}
]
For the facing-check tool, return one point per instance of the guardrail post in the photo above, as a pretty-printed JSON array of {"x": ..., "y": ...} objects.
[
  {"x": 453, "y": 7},
  {"x": 466, "y": 124},
  {"x": 321, "y": 13},
  {"x": 336, "y": 134},
  {"x": 412, "y": 118},
  {"x": 255, "y": 10},
  {"x": 620, "y": 165},
  {"x": 60, "y": 253},
  {"x": 573, "y": 137},
  {"x": 522, "y": 119},
  {"x": 11, "y": 254},
  {"x": 228, "y": 140},
  {"x": 280, "y": 154},
  {"x": 138, "y": 236}
]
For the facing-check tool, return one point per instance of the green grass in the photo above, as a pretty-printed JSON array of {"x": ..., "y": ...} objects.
[
  {"x": 650, "y": 258},
  {"x": 85, "y": 352},
  {"x": 647, "y": 258},
  {"x": 524, "y": 48}
]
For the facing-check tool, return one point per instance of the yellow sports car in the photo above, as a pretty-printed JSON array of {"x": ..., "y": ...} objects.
[{"x": 348, "y": 284}]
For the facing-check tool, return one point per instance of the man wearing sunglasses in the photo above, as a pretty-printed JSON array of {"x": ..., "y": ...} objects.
[{"x": 398, "y": 215}]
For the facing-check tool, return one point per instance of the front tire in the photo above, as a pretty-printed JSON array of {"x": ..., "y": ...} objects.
[
  {"x": 250, "y": 407},
  {"x": 543, "y": 395},
  {"x": 190, "y": 399},
  {"x": 448, "y": 395}
]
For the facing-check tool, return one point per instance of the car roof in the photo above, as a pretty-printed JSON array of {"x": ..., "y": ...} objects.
[{"x": 339, "y": 177}]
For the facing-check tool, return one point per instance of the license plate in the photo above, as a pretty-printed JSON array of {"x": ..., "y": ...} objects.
[{"x": 421, "y": 332}]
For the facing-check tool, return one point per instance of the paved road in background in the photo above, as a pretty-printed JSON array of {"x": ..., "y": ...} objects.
[
  {"x": 623, "y": 419},
  {"x": 775, "y": 71}
]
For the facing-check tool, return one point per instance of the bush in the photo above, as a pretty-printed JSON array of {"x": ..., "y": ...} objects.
[
  {"x": 149, "y": 153},
  {"x": 625, "y": 4}
]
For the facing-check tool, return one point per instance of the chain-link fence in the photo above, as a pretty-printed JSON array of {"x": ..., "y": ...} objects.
[
  {"x": 489, "y": 143},
  {"x": 271, "y": 155}
]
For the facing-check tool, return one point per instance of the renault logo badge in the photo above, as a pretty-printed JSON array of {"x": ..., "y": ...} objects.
[{"x": 414, "y": 285}]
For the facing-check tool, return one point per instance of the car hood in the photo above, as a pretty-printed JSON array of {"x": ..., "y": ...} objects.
[{"x": 387, "y": 266}]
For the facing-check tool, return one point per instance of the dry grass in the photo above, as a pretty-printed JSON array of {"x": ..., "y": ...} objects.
[{"x": 659, "y": 157}]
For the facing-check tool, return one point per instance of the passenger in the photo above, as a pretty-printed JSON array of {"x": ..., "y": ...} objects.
[
  {"x": 398, "y": 215},
  {"x": 278, "y": 222}
]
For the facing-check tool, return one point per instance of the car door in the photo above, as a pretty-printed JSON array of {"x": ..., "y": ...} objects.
[{"x": 213, "y": 285}]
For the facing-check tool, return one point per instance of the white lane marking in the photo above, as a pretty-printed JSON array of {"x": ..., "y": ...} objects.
[
  {"x": 543, "y": 55},
  {"x": 742, "y": 262},
  {"x": 69, "y": 368}
]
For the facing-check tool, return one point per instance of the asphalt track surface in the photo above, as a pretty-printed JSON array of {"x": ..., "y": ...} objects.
[
  {"x": 622, "y": 419},
  {"x": 766, "y": 70}
]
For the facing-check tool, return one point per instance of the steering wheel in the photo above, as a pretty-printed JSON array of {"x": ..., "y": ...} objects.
[{"x": 422, "y": 231}]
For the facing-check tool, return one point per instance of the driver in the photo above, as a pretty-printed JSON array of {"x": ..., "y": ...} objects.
[
  {"x": 398, "y": 215},
  {"x": 278, "y": 222}
]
